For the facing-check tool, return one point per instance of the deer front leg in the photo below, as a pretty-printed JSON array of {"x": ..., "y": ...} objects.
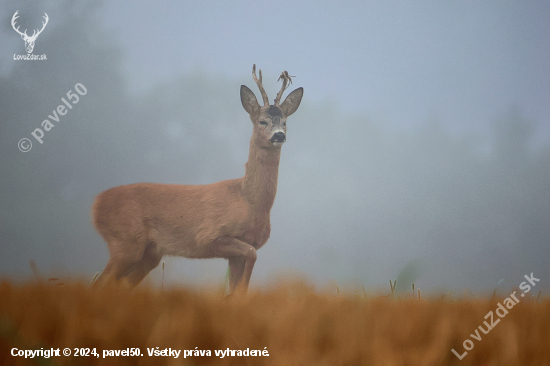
[
  {"x": 241, "y": 256},
  {"x": 236, "y": 271}
]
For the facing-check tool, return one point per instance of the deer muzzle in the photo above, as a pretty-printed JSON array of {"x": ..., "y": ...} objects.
[{"x": 278, "y": 138}]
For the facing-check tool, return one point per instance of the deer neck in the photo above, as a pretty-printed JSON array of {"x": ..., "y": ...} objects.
[{"x": 261, "y": 172}]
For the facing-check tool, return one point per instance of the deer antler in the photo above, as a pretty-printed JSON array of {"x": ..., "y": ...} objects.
[
  {"x": 24, "y": 34},
  {"x": 15, "y": 16},
  {"x": 259, "y": 83},
  {"x": 286, "y": 79},
  {"x": 43, "y": 26}
]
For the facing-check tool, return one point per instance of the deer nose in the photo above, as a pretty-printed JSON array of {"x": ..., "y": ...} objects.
[{"x": 278, "y": 137}]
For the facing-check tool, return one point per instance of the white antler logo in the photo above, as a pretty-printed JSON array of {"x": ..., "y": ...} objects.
[{"x": 29, "y": 41}]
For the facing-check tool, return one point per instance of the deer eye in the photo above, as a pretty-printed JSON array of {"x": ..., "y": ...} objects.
[{"x": 263, "y": 123}]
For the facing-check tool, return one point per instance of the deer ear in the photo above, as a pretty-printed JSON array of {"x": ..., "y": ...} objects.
[
  {"x": 292, "y": 102},
  {"x": 249, "y": 101}
]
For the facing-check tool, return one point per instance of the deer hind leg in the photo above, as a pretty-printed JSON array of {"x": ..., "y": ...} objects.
[
  {"x": 118, "y": 264},
  {"x": 130, "y": 268},
  {"x": 150, "y": 259},
  {"x": 241, "y": 256},
  {"x": 108, "y": 273}
]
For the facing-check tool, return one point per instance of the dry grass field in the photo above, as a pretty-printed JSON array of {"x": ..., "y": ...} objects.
[{"x": 290, "y": 322}]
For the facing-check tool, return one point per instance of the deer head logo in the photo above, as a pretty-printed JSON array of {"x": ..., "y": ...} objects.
[{"x": 29, "y": 41}]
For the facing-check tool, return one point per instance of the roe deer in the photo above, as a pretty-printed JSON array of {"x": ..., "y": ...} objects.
[{"x": 228, "y": 219}]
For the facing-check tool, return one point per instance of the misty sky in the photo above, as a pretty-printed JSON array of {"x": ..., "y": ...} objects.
[
  {"x": 405, "y": 157},
  {"x": 398, "y": 61}
]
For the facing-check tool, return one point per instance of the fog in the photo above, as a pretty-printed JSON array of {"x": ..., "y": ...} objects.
[{"x": 420, "y": 152}]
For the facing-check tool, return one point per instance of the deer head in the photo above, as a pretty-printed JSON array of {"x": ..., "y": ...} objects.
[
  {"x": 270, "y": 120},
  {"x": 29, "y": 41}
]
